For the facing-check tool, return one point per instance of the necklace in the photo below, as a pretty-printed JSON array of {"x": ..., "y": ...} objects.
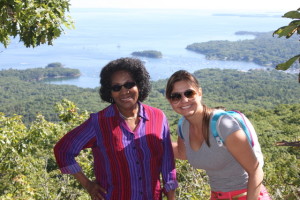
[{"x": 127, "y": 118}]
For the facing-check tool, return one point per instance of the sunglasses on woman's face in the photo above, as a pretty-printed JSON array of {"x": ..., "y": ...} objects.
[
  {"x": 176, "y": 96},
  {"x": 127, "y": 85}
]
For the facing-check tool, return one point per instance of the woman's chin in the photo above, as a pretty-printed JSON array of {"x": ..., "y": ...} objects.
[{"x": 186, "y": 113}]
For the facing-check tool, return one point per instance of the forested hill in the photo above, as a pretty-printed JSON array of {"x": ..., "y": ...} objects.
[
  {"x": 264, "y": 49},
  {"x": 250, "y": 90},
  {"x": 230, "y": 88}
]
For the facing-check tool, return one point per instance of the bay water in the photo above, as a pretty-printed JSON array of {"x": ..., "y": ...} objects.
[{"x": 102, "y": 35}]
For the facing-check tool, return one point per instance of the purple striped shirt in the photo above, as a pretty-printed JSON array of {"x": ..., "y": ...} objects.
[{"x": 127, "y": 164}]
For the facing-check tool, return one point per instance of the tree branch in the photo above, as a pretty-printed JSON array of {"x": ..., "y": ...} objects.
[{"x": 286, "y": 143}]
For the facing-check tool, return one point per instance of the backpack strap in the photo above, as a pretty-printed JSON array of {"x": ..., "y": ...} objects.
[
  {"x": 213, "y": 127},
  {"x": 236, "y": 115},
  {"x": 180, "y": 121}
]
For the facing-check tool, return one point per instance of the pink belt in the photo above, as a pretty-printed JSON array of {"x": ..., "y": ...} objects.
[
  {"x": 239, "y": 195},
  {"x": 233, "y": 195}
]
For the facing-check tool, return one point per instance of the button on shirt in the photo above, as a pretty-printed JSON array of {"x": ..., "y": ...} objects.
[{"x": 127, "y": 164}]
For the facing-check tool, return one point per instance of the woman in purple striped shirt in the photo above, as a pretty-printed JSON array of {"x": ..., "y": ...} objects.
[{"x": 130, "y": 141}]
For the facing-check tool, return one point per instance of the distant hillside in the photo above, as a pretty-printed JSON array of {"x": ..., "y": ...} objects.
[{"x": 264, "y": 50}]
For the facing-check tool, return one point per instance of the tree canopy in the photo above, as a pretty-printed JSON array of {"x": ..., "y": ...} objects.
[{"x": 34, "y": 22}]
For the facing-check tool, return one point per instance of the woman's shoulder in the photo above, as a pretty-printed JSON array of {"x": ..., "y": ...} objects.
[{"x": 108, "y": 111}]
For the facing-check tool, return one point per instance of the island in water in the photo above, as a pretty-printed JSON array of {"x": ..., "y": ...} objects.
[
  {"x": 264, "y": 49},
  {"x": 148, "y": 53},
  {"x": 51, "y": 71}
]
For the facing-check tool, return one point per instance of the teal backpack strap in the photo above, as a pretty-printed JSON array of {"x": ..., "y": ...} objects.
[
  {"x": 180, "y": 121},
  {"x": 236, "y": 115},
  {"x": 213, "y": 127}
]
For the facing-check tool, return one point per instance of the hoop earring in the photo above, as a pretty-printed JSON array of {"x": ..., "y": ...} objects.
[{"x": 111, "y": 100}]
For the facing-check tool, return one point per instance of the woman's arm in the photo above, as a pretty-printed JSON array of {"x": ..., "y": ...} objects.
[
  {"x": 70, "y": 145},
  {"x": 238, "y": 145},
  {"x": 179, "y": 149},
  {"x": 92, "y": 188},
  {"x": 168, "y": 170}
]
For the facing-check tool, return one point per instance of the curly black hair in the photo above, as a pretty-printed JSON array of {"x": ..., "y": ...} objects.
[{"x": 132, "y": 65}]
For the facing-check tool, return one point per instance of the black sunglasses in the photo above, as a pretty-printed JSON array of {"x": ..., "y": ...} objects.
[
  {"x": 127, "y": 85},
  {"x": 176, "y": 96}
]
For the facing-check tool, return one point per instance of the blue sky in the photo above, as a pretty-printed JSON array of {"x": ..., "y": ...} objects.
[{"x": 237, "y": 5}]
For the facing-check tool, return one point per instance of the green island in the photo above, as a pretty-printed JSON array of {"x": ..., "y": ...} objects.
[
  {"x": 148, "y": 53},
  {"x": 264, "y": 49},
  {"x": 51, "y": 71},
  {"x": 34, "y": 115}
]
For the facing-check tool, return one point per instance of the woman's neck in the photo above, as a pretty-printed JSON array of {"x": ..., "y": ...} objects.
[
  {"x": 195, "y": 121},
  {"x": 129, "y": 114},
  {"x": 196, "y": 117}
]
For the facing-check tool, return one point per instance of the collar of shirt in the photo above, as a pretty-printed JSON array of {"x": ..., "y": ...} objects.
[{"x": 115, "y": 113}]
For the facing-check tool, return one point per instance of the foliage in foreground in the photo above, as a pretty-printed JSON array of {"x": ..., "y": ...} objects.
[{"x": 28, "y": 169}]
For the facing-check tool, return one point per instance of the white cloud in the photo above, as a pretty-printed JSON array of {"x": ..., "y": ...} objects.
[{"x": 255, "y": 5}]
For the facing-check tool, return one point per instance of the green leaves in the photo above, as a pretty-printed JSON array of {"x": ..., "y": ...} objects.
[
  {"x": 193, "y": 183},
  {"x": 287, "y": 32},
  {"x": 288, "y": 64},
  {"x": 68, "y": 112},
  {"x": 34, "y": 22},
  {"x": 293, "y": 14},
  {"x": 27, "y": 166},
  {"x": 293, "y": 26}
]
